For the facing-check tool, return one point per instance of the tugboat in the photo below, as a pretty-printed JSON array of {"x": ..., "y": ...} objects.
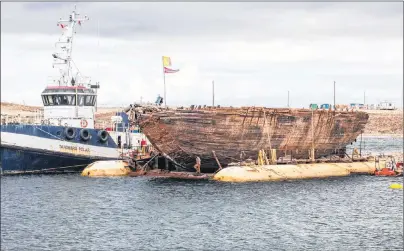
[{"x": 65, "y": 140}]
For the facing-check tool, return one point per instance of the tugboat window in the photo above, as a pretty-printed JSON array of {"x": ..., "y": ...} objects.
[
  {"x": 56, "y": 100},
  {"x": 45, "y": 101},
  {"x": 81, "y": 100},
  {"x": 89, "y": 100},
  {"x": 71, "y": 99},
  {"x": 63, "y": 100},
  {"x": 52, "y": 100}
]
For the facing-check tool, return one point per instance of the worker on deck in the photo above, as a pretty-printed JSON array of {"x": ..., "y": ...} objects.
[
  {"x": 197, "y": 165},
  {"x": 143, "y": 144}
]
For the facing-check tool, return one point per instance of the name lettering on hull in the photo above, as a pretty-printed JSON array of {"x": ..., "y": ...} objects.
[{"x": 74, "y": 149}]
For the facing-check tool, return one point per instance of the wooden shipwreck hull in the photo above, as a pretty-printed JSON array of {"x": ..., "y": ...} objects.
[{"x": 185, "y": 134}]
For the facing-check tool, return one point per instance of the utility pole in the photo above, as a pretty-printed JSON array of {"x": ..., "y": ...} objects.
[
  {"x": 213, "y": 93},
  {"x": 98, "y": 62},
  {"x": 364, "y": 98},
  {"x": 288, "y": 99},
  {"x": 334, "y": 95},
  {"x": 312, "y": 152}
]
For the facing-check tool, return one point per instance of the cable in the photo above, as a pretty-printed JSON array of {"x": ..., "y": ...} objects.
[{"x": 44, "y": 170}]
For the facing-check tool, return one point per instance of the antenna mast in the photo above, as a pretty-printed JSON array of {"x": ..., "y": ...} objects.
[
  {"x": 98, "y": 62},
  {"x": 65, "y": 46}
]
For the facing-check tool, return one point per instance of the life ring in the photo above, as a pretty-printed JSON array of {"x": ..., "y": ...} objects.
[{"x": 84, "y": 123}]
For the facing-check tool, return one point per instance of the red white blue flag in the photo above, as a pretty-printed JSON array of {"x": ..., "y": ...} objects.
[{"x": 168, "y": 70}]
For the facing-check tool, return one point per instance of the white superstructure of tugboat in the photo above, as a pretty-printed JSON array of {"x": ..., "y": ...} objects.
[{"x": 66, "y": 139}]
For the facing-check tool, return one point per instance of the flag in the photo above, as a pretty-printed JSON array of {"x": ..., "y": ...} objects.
[
  {"x": 166, "y": 61},
  {"x": 168, "y": 70}
]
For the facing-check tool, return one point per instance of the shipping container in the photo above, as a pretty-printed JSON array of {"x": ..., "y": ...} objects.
[{"x": 325, "y": 106}]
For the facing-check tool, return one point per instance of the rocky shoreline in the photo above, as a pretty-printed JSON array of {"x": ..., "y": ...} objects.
[{"x": 385, "y": 123}]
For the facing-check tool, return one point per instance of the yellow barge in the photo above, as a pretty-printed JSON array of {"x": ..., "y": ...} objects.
[{"x": 289, "y": 172}]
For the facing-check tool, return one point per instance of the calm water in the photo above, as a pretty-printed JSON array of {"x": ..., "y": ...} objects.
[{"x": 70, "y": 212}]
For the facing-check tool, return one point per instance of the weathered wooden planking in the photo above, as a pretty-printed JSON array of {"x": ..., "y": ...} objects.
[{"x": 185, "y": 134}]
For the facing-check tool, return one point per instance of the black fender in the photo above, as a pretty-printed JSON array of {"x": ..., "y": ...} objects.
[
  {"x": 85, "y": 134},
  {"x": 103, "y": 135},
  {"x": 70, "y": 133}
]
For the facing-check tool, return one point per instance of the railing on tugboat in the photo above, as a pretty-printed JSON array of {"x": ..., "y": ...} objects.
[{"x": 37, "y": 118}]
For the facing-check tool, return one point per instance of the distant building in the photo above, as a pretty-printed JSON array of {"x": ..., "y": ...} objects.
[
  {"x": 386, "y": 105},
  {"x": 356, "y": 106}
]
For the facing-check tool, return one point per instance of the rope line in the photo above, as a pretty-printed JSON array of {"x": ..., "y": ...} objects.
[
  {"x": 44, "y": 170},
  {"x": 49, "y": 133}
]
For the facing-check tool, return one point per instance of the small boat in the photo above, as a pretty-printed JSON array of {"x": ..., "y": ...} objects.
[
  {"x": 392, "y": 168},
  {"x": 387, "y": 172}
]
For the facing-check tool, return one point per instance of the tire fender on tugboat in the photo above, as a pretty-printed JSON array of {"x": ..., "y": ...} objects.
[
  {"x": 70, "y": 132},
  {"x": 103, "y": 135},
  {"x": 85, "y": 134}
]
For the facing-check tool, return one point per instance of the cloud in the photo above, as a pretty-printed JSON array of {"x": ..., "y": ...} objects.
[{"x": 255, "y": 52}]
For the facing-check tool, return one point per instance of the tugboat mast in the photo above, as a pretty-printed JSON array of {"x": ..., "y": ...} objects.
[{"x": 65, "y": 46}]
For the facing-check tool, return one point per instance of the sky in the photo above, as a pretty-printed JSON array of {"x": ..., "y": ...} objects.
[{"x": 254, "y": 52}]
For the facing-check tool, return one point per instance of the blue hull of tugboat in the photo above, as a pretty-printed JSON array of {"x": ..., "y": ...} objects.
[
  {"x": 20, "y": 160},
  {"x": 56, "y": 133},
  {"x": 44, "y": 149}
]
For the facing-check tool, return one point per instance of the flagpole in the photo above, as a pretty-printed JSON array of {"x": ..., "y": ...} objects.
[
  {"x": 213, "y": 93},
  {"x": 165, "y": 100},
  {"x": 164, "y": 79}
]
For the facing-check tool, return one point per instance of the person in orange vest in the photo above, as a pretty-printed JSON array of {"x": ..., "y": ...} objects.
[{"x": 143, "y": 144}]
